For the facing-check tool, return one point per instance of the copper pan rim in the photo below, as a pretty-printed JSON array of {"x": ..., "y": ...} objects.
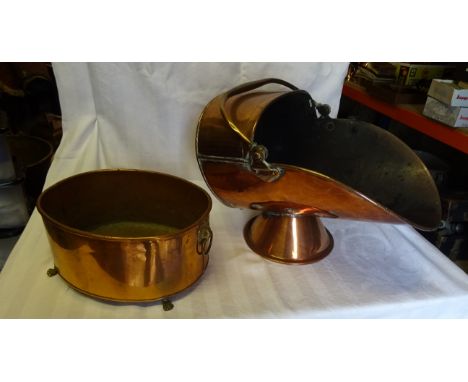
[
  {"x": 45, "y": 157},
  {"x": 90, "y": 235}
]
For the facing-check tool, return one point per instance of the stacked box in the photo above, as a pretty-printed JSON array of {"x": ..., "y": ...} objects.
[{"x": 447, "y": 102}]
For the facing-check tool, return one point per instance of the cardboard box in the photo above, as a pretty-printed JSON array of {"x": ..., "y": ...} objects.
[
  {"x": 448, "y": 92},
  {"x": 452, "y": 116},
  {"x": 420, "y": 74}
]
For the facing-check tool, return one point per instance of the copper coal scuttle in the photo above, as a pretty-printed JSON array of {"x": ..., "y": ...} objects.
[{"x": 280, "y": 153}]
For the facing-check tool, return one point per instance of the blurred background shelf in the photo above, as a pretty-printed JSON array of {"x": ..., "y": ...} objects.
[
  {"x": 386, "y": 100},
  {"x": 411, "y": 116}
]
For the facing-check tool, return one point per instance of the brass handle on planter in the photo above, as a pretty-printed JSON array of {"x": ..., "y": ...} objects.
[
  {"x": 257, "y": 153},
  {"x": 205, "y": 238}
]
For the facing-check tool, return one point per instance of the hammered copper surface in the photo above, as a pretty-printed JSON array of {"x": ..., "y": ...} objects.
[
  {"x": 312, "y": 163},
  {"x": 131, "y": 262}
]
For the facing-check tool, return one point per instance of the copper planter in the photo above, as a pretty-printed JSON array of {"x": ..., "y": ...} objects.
[
  {"x": 127, "y": 235},
  {"x": 278, "y": 152}
]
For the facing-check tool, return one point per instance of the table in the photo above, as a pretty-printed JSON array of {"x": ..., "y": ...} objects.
[{"x": 139, "y": 115}]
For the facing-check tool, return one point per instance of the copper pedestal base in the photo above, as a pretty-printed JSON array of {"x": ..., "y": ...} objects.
[{"x": 288, "y": 239}]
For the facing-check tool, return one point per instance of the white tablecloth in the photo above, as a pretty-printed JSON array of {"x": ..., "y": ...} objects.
[{"x": 144, "y": 116}]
